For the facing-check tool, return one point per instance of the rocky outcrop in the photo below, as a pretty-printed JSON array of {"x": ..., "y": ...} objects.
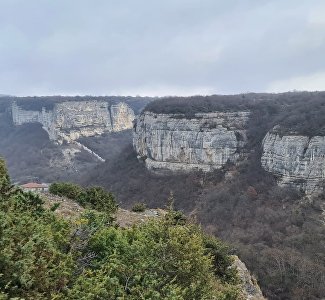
[
  {"x": 68, "y": 121},
  {"x": 297, "y": 160},
  {"x": 203, "y": 142},
  {"x": 122, "y": 117},
  {"x": 250, "y": 288}
]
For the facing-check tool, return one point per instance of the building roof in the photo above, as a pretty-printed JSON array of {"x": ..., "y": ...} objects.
[{"x": 33, "y": 185}]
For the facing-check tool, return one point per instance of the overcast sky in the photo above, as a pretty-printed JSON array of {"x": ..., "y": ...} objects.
[{"x": 160, "y": 47}]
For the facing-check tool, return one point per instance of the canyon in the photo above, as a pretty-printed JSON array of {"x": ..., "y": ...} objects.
[
  {"x": 238, "y": 163},
  {"x": 208, "y": 141}
]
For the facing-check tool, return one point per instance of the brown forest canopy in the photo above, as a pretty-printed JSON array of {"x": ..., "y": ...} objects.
[
  {"x": 36, "y": 103},
  {"x": 299, "y": 112}
]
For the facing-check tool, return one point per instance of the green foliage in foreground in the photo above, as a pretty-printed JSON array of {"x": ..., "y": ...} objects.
[
  {"x": 45, "y": 257},
  {"x": 92, "y": 197},
  {"x": 4, "y": 178}
]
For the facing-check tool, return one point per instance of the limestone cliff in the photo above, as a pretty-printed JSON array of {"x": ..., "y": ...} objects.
[
  {"x": 70, "y": 120},
  {"x": 297, "y": 160},
  {"x": 205, "y": 141}
]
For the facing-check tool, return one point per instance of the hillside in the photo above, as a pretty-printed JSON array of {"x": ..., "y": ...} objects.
[
  {"x": 35, "y": 158},
  {"x": 45, "y": 256},
  {"x": 242, "y": 202},
  {"x": 300, "y": 112},
  {"x": 278, "y": 231}
]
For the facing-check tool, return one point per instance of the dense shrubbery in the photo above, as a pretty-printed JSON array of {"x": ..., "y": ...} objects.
[
  {"x": 267, "y": 224},
  {"x": 150, "y": 262},
  {"x": 275, "y": 233},
  {"x": 45, "y": 257},
  {"x": 93, "y": 197},
  {"x": 199, "y": 104},
  {"x": 139, "y": 207},
  {"x": 280, "y": 238},
  {"x": 34, "y": 261},
  {"x": 66, "y": 189}
]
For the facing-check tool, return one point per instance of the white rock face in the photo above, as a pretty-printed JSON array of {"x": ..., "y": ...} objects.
[
  {"x": 71, "y": 120},
  {"x": 75, "y": 119},
  {"x": 299, "y": 161},
  {"x": 204, "y": 142},
  {"x": 122, "y": 117}
]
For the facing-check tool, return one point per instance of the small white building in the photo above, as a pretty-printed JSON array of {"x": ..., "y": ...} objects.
[{"x": 35, "y": 187}]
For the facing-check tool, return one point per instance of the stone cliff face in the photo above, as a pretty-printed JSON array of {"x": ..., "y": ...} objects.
[
  {"x": 297, "y": 160},
  {"x": 203, "y": 142},
  {"x": 208, "y": 141},
  {"x": 71, "y": 120},
  {"x": 122, "y": 117}
]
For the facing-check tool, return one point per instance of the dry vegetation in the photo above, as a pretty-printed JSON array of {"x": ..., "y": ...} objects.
[
  {"x": 70, "y": 209},
  {"x": 278, "y": 233}
]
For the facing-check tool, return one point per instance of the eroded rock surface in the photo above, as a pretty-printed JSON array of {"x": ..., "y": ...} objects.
[
  {"x": 297, "y": 160},
  {"x": 250, "y": 288},
  {"x": 203, "y": 142},
  {"x": 68, "y": 121}
]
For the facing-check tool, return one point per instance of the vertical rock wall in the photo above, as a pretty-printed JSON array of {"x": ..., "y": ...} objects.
[
  {"x": 122, "y": 117},
  {"x": 298, "y": 161},
  {"x": 203, "y": 142},
  {"x": 73, "y": 119}
]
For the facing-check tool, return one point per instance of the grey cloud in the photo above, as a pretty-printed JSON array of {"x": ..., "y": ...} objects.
[{"x": 157, "y": 47}]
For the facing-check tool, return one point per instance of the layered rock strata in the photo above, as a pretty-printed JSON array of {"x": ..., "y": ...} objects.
[
  {"x": 297, "y": 160},
  {"x": 205, "y": 141},
  {"x": 71, "y": 120},
  {"x": 122, "y": 117}
]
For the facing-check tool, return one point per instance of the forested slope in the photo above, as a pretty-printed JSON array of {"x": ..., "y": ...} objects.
[
  {"x": 278, "y": 231},
  {"x": 46, "y": 257}
]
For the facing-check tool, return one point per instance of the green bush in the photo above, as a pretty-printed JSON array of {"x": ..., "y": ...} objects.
[
  {"x": 43, "y": 256},
  {"x": 34, "y": 259},
  {"x": 97, "y": 198},
  {"x": 4, "y": 177},
  {"x": 157, "y": 260},
  {"x": 93, "y": 197},
  {"x": 139, "y": 207},
  {"x": 66, "y": 189}
]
